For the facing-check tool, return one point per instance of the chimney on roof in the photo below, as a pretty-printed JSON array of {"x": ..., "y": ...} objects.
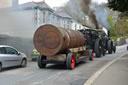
[{"x": 15, "y": 3}]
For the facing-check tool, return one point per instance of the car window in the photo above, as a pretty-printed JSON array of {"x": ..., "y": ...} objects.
[
  {"x": 2, "y": 50},
  {"x": 10, "y": 51}
]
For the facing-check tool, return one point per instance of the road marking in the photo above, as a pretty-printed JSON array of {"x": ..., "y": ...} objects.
[
  {"x": 99, "y": 72},
  {"x": 53, "y": 76}
]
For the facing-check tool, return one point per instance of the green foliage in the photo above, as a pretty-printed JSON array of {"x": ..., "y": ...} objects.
[
  {"x": 118, "y": 5},
  {"x": 122, "y": 26},
  {"x": 112, "y": 26},
  {"x": 115, "y": 37}
]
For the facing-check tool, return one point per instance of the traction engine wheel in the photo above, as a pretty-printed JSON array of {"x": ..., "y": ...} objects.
[
  {"x": 98, "y": 48},
  {"x": 114, "y": 49},
  {"x": 91, "y": 55},
  {"x": 110, "y": 47},
  {"x": 70, "y": 61}
]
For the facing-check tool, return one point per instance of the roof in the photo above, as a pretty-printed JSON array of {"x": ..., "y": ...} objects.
[
  {"x": 30, "y": 5},
  {"x": 61, "y": 13}
]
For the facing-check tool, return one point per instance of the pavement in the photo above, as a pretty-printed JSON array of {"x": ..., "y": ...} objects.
[{"x": 116, "y": 74}]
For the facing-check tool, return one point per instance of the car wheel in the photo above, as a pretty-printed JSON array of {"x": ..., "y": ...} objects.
[
  {"x": 0, "y": 67},
  {"x": 70, "y": 61},
  {"x": 40, "y": 61},
  {"x": 24, "y": 63}
]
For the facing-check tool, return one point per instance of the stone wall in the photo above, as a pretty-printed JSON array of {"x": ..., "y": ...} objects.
[{"x": 120, "y": 41}]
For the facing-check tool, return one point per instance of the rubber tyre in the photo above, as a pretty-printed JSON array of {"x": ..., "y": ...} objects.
[
  {"x": 0, "y": 67},
  {"x": 24, "y": 63},
  {"x": 70, "y": 61},
  {"x": 98, "y": 48},
  {"x": 39, "y": 62},
  {"x": 103, "y": 51},
  {"x": 110, "y": 47},
  {"x": 114, "y": 49},
  {"x": 91, "y": 55}
]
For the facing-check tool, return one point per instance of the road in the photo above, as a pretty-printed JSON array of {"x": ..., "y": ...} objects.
[
  {"x": 56, "y": 74},
  {"x": 116, "y": 74}
]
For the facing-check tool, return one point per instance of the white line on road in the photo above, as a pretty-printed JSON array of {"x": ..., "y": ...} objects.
[
  {"x": 99, "y": 72},
  {"x": 53, "y": 76}
]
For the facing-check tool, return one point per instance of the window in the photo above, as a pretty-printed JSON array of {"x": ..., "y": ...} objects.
[
  {"x": 75, "y": 26},
  {"x": 58, "y": 21},
  {"x": 2, "y": 50},
  {"x": 79, "y": 27},
  {"x": 49, "y": 18},
  {"x": 10, "y": 51},
  {"x": 44, "y": 17}
]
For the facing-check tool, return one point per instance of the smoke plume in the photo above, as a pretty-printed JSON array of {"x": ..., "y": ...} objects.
[
  {"x": 85, "y": 6},
  {"x": 102, "y": 14},
  {"x": 19, "y": 26},
  {"x": 5, "y": 3}
]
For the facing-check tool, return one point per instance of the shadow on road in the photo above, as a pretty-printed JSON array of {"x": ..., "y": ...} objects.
[
  {"x": 62, "y": 66},
  {"x": 10, "y": 68}
]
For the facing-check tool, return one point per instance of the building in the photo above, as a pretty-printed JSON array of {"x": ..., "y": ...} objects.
[
  {"x": 43, "y": 14},
  {"x": 76, "y": 26},
  {"x": 5, "y": 3},
  {"x": 20, "y": 22}
]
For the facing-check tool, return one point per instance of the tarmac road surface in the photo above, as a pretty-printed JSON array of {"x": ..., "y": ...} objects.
[
  {"x": 56, "y": 74},
  {"x": 116, "y": 74}
]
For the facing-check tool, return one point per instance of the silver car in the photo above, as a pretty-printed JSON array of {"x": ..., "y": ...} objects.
[{"x": 9, "y": 56}]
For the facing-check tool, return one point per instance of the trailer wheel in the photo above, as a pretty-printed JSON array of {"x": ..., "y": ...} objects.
[
  {"x": 0, "y": 67},
  {"x": 70, "y": 61},
  {"x": 98, "y": 48},
  {"x": 91, "y": 55},
  {"x": 110, "y": 46},
  {"x": 114, "y": 49},
  {"x": 40, "y": 60}
]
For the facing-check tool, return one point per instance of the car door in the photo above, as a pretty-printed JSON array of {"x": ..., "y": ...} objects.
[
  {"x": 12, "y": 56},
  {"x": 3, "y": 57}
]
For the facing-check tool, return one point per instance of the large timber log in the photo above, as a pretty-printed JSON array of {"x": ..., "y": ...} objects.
[{"x": 50, "y": 40}]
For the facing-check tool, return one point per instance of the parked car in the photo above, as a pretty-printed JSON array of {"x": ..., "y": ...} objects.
[
  {"x": 10, "y": 56},
  {"x": 34, "y": 55}
]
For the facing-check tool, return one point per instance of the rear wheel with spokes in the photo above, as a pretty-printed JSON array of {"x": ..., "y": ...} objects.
[
  {"x": 91, "y": 57},
  {"x": 40, "y": 61},
  {"x": 0, "y": 67},
  {"x": 70, "y": 61}
]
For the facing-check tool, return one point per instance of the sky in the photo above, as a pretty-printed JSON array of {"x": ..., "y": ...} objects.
[{"x": 56, "y": 3}]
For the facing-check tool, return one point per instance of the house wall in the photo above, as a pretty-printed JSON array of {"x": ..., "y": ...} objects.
[
  {"x": 76, "y": 26},
  {"x": 19, "y": 25},
  {"x": 48, "y": 17}
]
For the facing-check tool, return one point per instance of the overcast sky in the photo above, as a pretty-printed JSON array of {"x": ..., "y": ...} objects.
[{"x": 55, "y": 3}]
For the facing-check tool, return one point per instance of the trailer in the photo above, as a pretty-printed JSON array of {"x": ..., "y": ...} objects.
[{"x": 60, "y": 46}]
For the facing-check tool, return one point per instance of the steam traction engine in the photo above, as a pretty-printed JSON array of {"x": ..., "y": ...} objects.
[
  {"x": 58, "y": 45},
  {"x": 98, "y": 41}
]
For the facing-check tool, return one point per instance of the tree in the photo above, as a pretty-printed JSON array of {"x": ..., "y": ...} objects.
[
  {"x": 122, "y": 26},
  {"x": 118, "y": 5},
  {"x": 112, "y": 26}
]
